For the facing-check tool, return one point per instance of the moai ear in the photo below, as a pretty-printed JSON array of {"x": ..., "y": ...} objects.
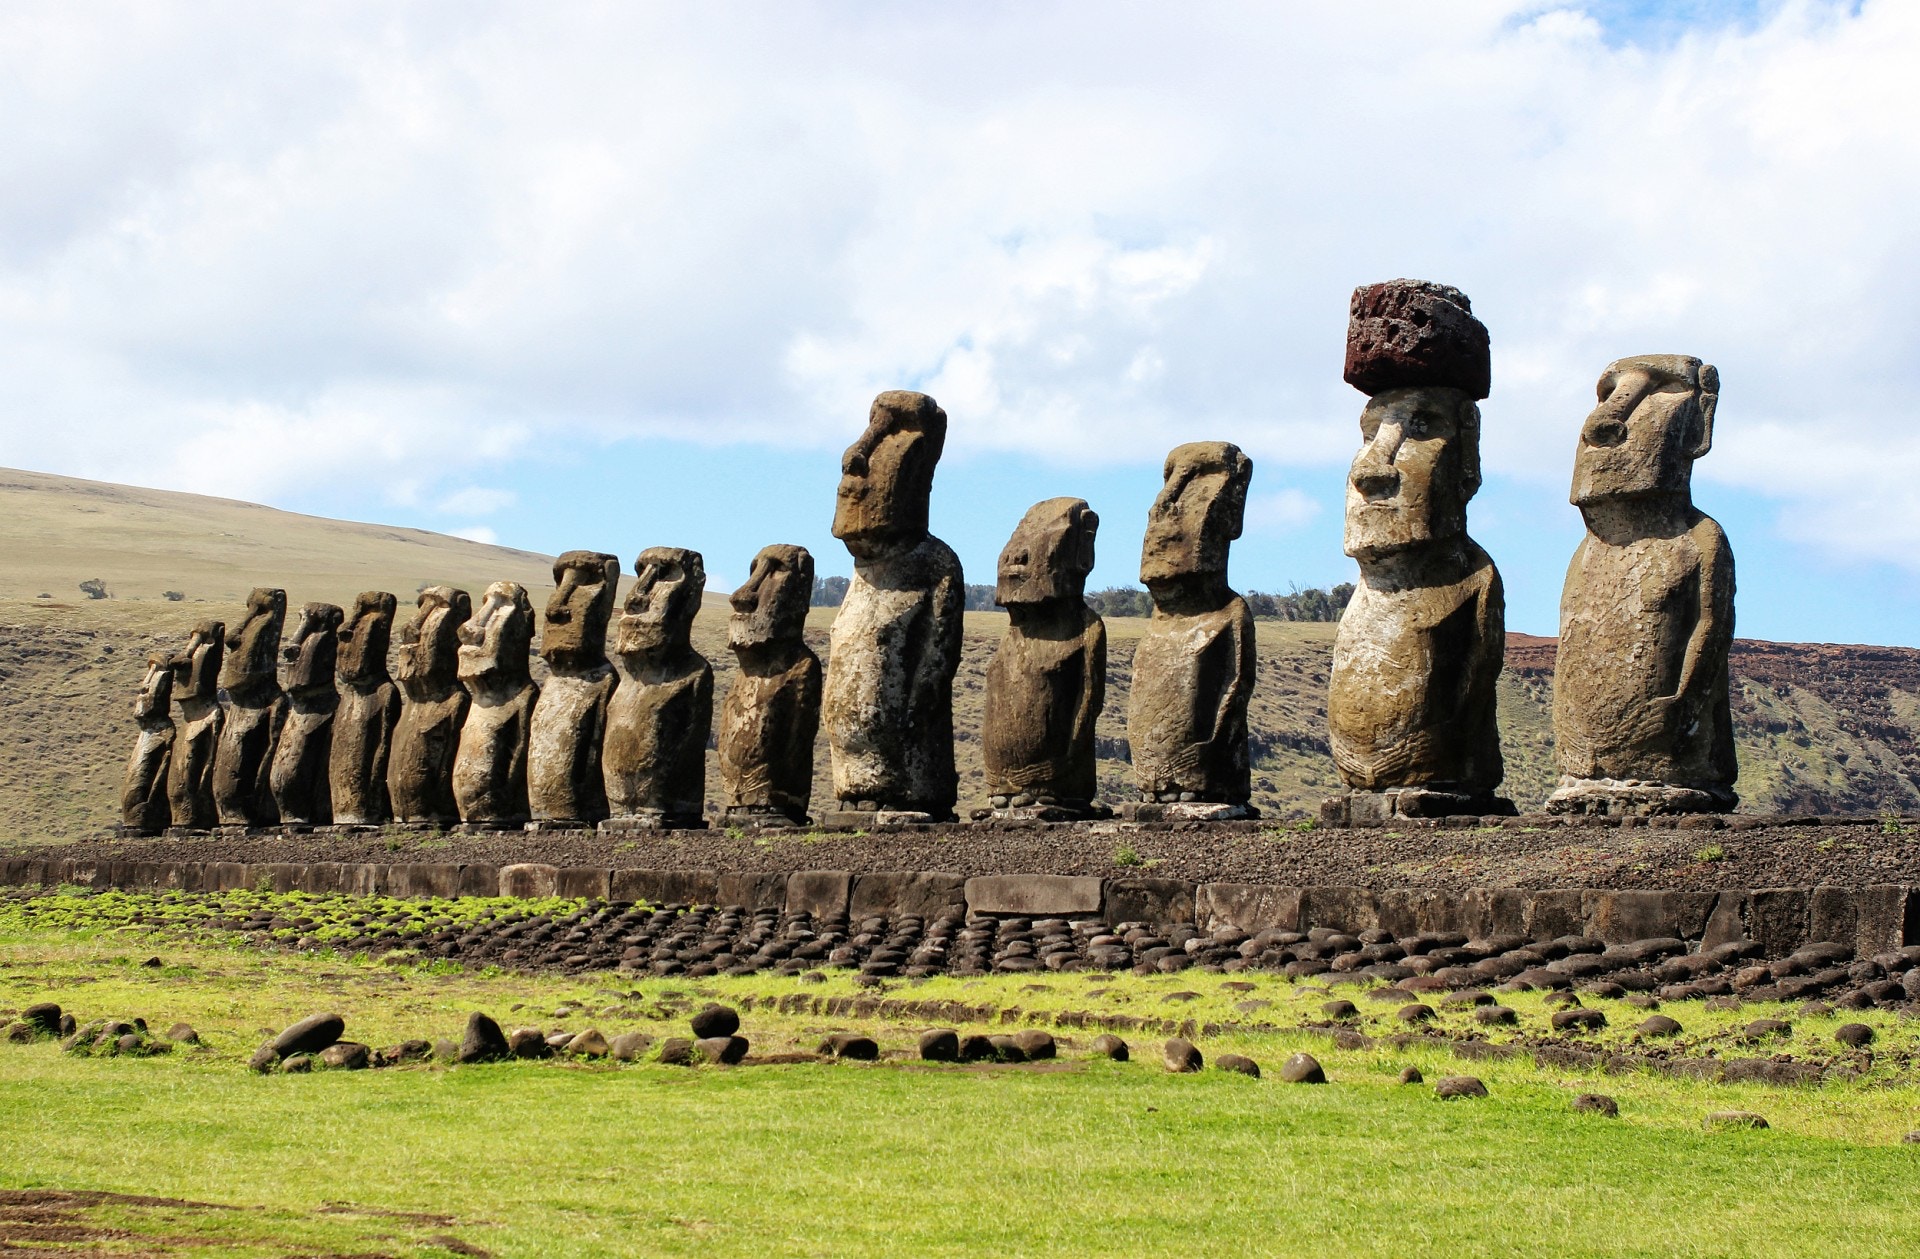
[
  {"x": 1469, "y": 429},
  {"x": 1239, "y": 478},
  {"x": 1709, "y": 402},
  {"x": 1089, "y": 527}
]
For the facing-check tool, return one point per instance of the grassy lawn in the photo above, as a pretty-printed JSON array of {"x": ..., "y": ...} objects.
[{"x": 1074, "y": 1156}]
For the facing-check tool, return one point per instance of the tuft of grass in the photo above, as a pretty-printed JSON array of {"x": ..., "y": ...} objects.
[
  {"x": 1125, "y": 854},
  {"x": 1711, "y": 852}
]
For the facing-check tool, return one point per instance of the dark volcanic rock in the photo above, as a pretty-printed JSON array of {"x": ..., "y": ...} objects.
[
  {"x": 483, "y": 1040},
  {"x": 1238, "y": 1063},
  {"x": 1596, "y": 1104},
  {"x": 1854, "y": 1035},
  {"x": 1181, "y": 1056},
  {"x": 1302, "y": 1069},
  {"x": 1108, "y": 1045},
  {"x": 309, "y": 1035},
  {"x": 722, "y": 1050},
  {"x": 715, "y": 1020},
  {"x": 942, "y": 1044}
]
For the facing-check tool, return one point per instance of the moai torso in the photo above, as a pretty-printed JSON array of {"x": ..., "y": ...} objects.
[
  {"x": 144, "y": 805},
  {"x": 490, "y": 768},
  {"x": 1641, "y": 713},
  {"x": 772, "y": 712},
  {"x": 661, "y": 714},
  {"x": 196, "y": 671},
  {"x": 1047, "y": 681},
  {"x": 369, "y": 708},
  {"x": 301, "y": 759},
  {"x": 256, "y": 709},
  {"x": 565, "y": 782},
  {"x": 433, "y": 709}
]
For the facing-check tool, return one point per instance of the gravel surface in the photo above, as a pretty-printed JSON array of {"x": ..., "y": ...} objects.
[{"x": 1522, "y": 853}]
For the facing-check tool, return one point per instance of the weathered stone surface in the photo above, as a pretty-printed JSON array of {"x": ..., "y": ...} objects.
[
  {"x": 1854, "y": 1035},
  {"x": 483, "y": 1041},
  {"x": 941, "y": 1044},
  {"x": 490, "y": 769},
  {"x": 772, "y": 712},
  {"x": 725, "y": 1051},
  {"x": 564, "y": 778},
  {"x": 1733, "y": 1120},
  {"x": 1779, "y": 919},
  {"x": 1046, "y": 684},
  {"x": 1453, "y": 1086},
  {"x": 1302, "y": 1068},
  {"x": 1640, "y": 710},
  {"x": 1597, "y": 1104},
  {"x": 1107, "y": 1045},
  {"x": 715, "y": 1020},
  {"x": 144, "y": 806},
  {"x": 822, "y": 893},
  {"x": 1032, "y": 895},
  {"x": 1193, "y": 670},
  {"x": 678, "y": 1051},
  {"x": 256, "y": 707},
  {"x": 1150, "y": 900},
  {"x": 196, "y": 672},
  {"x": 673, "y": 887},
  {"x": 529, "y": 880},
  {"x": 1622, "y": 917},
  {"x": 309, "y": 1035},
  {"x": 891, "y": 894},
  {"x": 661, "y": 713},
  {"x": 888, "y": 699},
  {"x": 630, "y": 1046},
  {"x": 751, "y": 889},
  {"x": 369, "y": 709},
  {"x": 1239, "y": 1064},
  {"x": 1342, "y": 908},
  {"x": 1410, "y": 704},
  {"x": 1248, "y": 906},
  {"x": 1180, "y": 1055},
  {"x": 591, "y": 1043},
  {"x": 42, "y": 1018},
  {"x": 851, "y": 1046},
  {"x": 1037, "y": 1045},
  {"x": 424, "y": 879},
  {"x": 433, "y": 708},
  {"x": 584, "y": 882},
  {"x": 302, "y": 791},
  {"x": 346, "y": 1055}
]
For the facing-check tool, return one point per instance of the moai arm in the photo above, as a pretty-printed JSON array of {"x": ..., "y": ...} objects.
[
  {"x": 1093, "y": 681},
  {"x": 1246, "y": 659},
  {"x": 946, "y": 612}
]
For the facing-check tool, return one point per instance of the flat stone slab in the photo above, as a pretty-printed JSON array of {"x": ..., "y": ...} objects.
[{"x": 1030, "y": 894}]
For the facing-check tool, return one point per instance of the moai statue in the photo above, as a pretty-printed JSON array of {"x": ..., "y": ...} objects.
[
  {"x": 888, "y": 705},
  {"x": 658, "y": 721},
  {"x": 1048, "y": 679},
  {"x": 772, "y": 712},
  {"x": 433, "y": 709},
  {"x": 369, "y": 708},
  {"x": 256, "y": 708},
  {"x": 1640, "y": 715},
  {"x": 564, "y": 783},
  {"x": 1193, "y": 669},
  {"x": 301, "y": 759},
  {"x": 1410, "y": 706},
  {"x": 196, "y": 688},
  {"x": 490, "y": 770},
  {"x": 144, "y": 806}
]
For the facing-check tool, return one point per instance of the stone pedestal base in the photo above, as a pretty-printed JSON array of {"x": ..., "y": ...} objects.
[
  {"x": 763, "y": 820},
  {"x": 1610, "y": 797},
  {"x": 1186, "y": 811},
  {"x": 445, "y": 824},
  {"x": 356, "y": 828},
  {"x": 1044, "y": 813},
  {"x": 653, "y": 822},
  {"x": 496, "y": 826},
  {"x": 1383, "y": 808},
  {"x": 878, "y": 819},
  {"x": 143, "y": 832},
  {"x": 556, "y": 826}
]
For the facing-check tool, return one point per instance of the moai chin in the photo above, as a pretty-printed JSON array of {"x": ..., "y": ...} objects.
[
  {"x": 1047, "y": 682},
  {"x": 369, "y": 708},
  {"x": 301, "y": 789},
  {"x": 661, "y": 713},
  {"x": 1641, "y": 721},
  {"x": 433, "y": 709},
  {"x": 772, "y": 712},
  {"x": 564, "y": 781},
  {"x": 196, "y": 689},
  {"x": 256, "y": 708},
  {"x": 1410, "y": 706},
  {"x": 895, "y": 646},
  {"x": 1193, "y": 669},
  {"x": 144, "y": 806},
  {"x": 490, "y": 769}
]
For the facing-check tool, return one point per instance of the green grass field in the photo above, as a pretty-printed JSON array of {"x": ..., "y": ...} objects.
[{"x": 1069, "y": 1157}]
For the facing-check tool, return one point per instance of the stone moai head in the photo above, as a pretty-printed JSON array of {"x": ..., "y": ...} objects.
[
  {"x": 1051, "y": 552},
  {"x": 1654, "y": 419},
  {"x": 253, "y": 646},
  {"x": 364, "y": 636},
  {"x": 772, "y": 606},
  {"x": 886, "y": 478},
  {"x": 430, "y": 642},
  {"x": 496, "y": 641},
  {"x": 313, "y": 649},
  {"x": 196, "y": 670},
  {"x": 573, "y": 635},
  {"x": 667, "y": 584},
  {"x": 1423, "y": 360},
  {"x": 156, "y": 690},
  {"x": 1197, "y": 515}
]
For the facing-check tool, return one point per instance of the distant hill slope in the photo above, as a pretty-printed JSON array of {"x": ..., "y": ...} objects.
[{"x": 1820, "y": 728}]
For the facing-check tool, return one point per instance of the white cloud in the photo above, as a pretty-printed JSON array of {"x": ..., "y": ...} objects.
[
  {"x": 1280, "y": 512},
  {"x": 477, "y": 533},
  {"x": 250, "y": 250},
  {"x": 476, "y": 500}
]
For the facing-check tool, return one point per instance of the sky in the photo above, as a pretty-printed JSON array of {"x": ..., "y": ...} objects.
[{"x": 609, "y": 276}]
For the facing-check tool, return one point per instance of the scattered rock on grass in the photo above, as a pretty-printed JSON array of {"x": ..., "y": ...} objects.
[
  {"x": 715, "y": 1020},
  {"x": 1723, "y": 1120},
  {"x": 978, "y": 1048},
  {"x": 1340, "y": 1010},
  {"x": 1035, "y": 1044},
  {"x": 1912, "y": 1138},
  {"x": 1659, "y": 1025},
  {"x": 1412, "y": 1075},
  {"x": 310, "y": 1035},
  {"x": 1578, "y": 1020},
  {"x": 528, "y": 1042},
  {"x": 942, "y": 1044},
  {"x": 630, "y": 1046},
  {"x": 1418, "y": 1012},
  {"x": 1460, "y": 1086},
  {"x": 43, "y": 1017},
  {"x": 1597, "y": 1104},
  {"x": 1302, "y": 1069},
  {"x": 1108, "y": 1045},
  {"x": 263, "y": 1059},
  {"x": 724, "y": 1050},
  {"x": 677, "y": 1051},
  {"x": 346, "y": 1055},
  {"x": 1181, "y": 1056},
  {"x": 1237, "y": 1063},
  {"x": 591, "y": 1043},
  {"x": 484, "y": 1041},
  {"x": 1760, "y": 1029},
  {"x": 1007, "y": 1049},
  {"x": 183, "y": 1033},
  {"x": 1854, "y": 1035},
  {"x": 297, "y": 1064},
  {"x": 852, "y": 1046}
]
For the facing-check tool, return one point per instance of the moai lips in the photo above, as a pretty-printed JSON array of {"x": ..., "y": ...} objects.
[
  {"x": 1641, "y": 716},
  {"x": 301, "y": 789},
  {"x": 196, "y": 688},
  {"x": 772, "y": 712},
  {"x": 1046, "y": 684},
  {"x": 661, "y": 712},
  {"x": 433, "y": 709},
  {"x": 490, "y": 769},
  {"x": 1410, "y": 705},
  {"x": 564, "y": 779},
  {"x": 363, "y": 725},
  {"x": 144, "y": 806},
  {"x": 888, "y": 701},
  {"x": 256, "y": 707},
  {"x": 1193, "y": 670}
]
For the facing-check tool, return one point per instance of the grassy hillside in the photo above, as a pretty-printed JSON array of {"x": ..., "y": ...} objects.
[{"x": 1833, "y": 728}]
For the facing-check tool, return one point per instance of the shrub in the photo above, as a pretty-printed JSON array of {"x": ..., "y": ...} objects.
[{"x": 94, "y": 588}]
